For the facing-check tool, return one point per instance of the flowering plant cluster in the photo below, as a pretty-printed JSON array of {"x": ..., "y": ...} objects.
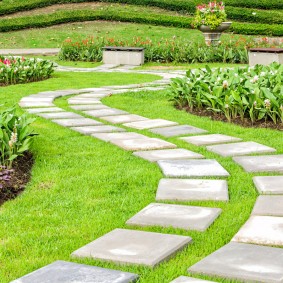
[
  {"x": 211, "y": 14},
  {"x": 248, "y": 92}
]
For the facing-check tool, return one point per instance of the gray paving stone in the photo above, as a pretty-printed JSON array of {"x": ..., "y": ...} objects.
[
  {"x": 269, "y": 205},
  {"x": 192, "y": 168},
  {"x": 43, "y": 110},
  {"x": 118, "y": 136},
  {"x": 185, "y": 279},
  {"x": 143, "y": 144},
  {"x": 59, "y": 115},
  {"x": 83, "y": 100},
  {"x": 151, "y": 123},
  {"x": 36, "y": 104},
  {"x": 89, "y": 107},
  {"x": 76, "y": 122},
  {"x": 93, "y": 95},
  {"x": 67, "y": 272},
  {"x": 165, "y": 154},
  {"x": 269, "y": 184},
  {"x": 133, "y": 247},
  {"x": 261, "y": 230},
  {"x": 240, "y": 148},
  {"x": 262, "y": 163},
  {"x": 197, "y": 189},
  {"x": 177, "y": 130},
  {"x": 210, "y": 139},
  {"x": 177, "y": 216},
  {"x": 245, "y": 262},
  {"x": 88, "y": 130},
  {"x": 35, "y": 99},
  {"x": 119, "y": 119},
  {"x": 105, "y": 112}
]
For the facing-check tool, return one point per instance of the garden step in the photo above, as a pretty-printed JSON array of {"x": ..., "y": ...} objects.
[
  {"x": 243, "y": 262},
  {"x": 269, "y": 205},
  {"x": 59, "y": 115},
  {"x": 105, "y": 112},
  {"x": 76, "y": 122},
  {"x": 119, "y": 119},
  {"x": 185, "y": 279},
  {"x": 118, "y": 136},
  {"x": 35, "y": 104},
  {"x": 88, "y": 130},
  {"x": 43, "y": 110},
  {"x": 133, "y": 247},
  {"x": 177, "y": 216},
  {"x": 150, "y": 123},
  {"x": 76, "y": 100},
  {"x": 269, "y": 184},
  {"x": 177, "y": 130},
  {"x": 66, "y": 272},
  {"x": 92, "y": 95},
  {"x": 82, "y": 107}
]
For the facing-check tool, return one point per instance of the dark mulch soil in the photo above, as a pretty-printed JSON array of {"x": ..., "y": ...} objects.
[{"x": 19, "y": 178}]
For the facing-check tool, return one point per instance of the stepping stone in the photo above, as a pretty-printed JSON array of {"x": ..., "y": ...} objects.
[
  {"x": 177, "y": 216},
  {"x": 83, "y": 100},
  {"x": 164, "y": 154},
  {"x": 243, "y": 262},
  {"x": 151, "y": 123},
  {"x": 185, "y": 279},
  {"x": 89, "y": 107},
  {"x": 36, "y": 104},
  {"x": 210, "y": 139},
  {"x": 88, "y": 130},
  {"x": 177, "y": 130},
  {"x": 92, "y": 95},
  {"x": 76, "y": 122},
  {"x": 269, "y": 184},
  {"x": 192, "y": 168},
  {"x": 33, "y": 99},
  {"x": 240, "y": 148},
  {"x": 133, "y": 247},
  {"x": 143, "y": 144},
  {"x": 119, "y": 119},
  {"x": 262, "y": 163},
  {"x": 43, "y": 110},
  {"x": 269, "y": 205},
  {"x": 59, "y": 115},
  {"x": 118, "y": 136},
  {"x": 262, "y": 230},
  {"x": 66, "y": 272},
  {"x": 105, "y": 112},
  {"x": 187, "y": 190}
]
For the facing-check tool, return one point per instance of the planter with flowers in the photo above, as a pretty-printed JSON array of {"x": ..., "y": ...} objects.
[{"x": 211, "y": 20}]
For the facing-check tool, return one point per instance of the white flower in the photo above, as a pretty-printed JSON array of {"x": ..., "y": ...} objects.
[
  {"x": 253, "y": 13},
  {"x": 267, "y": 103},
  {"x": 218, "y": 79},
  {"x": 236, "y": 75},
  {"x": 226, "y": 106},
  {"x": 262, "y": 74},
  {"x": 254, "y": 79},
  {"x": 225, "y": 84}
]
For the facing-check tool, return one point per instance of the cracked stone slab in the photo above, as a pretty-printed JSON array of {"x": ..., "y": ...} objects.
[
  {"x": 177, "y": 130},
  {"x": 210, "y": 139},
  {"x": 245, "y": 262},
  {"x": 177, "y": 216},
  {"x": 240, "y": 148},
  {"x": 66, "y": 272},
  {"x": 76, "y": 122},
  {"x": 105, "y": 112},
  {"x": 187, "y": 190},
  {"x": 118, "y": 136},
  {"x": 150, "y": 123},
  {"x": 261, "y": 230},
  {"x": 165, "y": 154},
  {"x": 268, "y": 205},
  {"x": 89, "y": 107},
  {"x": 120, "y": 119},
  {"x": 269, "y": 184},
  {"x": 59, "y": 115},
  {"x": 88, "y": 130},
  {"x": 133, "y": 247},
  {"x": 43, "y": 110},
  {"x": 262, "y": 163},
  {"x": 185, "y": 279},
  {"x": 192, "y": 168}
]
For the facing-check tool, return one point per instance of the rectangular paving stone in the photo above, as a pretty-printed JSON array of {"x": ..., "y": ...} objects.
[
  {"x": 43, "y": 110},
  {"x": 88, "y": 130},
  {"x": 268, "y": 205},
  {"x": 93, "y": 95},
  {"x": 67, "y": 272},
  {"x": 83, "y": 100},
  {"x": 244, "y": 262},
  {"x": 59, "y": 115},
  {"x": 187, "y": 190},
  {"x": 269, "y": 184},
  {"x": 240, "y": 148},
  {"x": 34, "y": 99},
  {"x": 105, "y": 112},
  {"x": 133, "y": 247},
  {"x": 89, "y": 107},
  {"x": 150, "y": 123},
  {"x": 76, "y": 122},
  {"x": 177, "y": 130},
  {"x": 261, "y": 230},
  {"x": 119, "y": 119},
  {"x": 262, "y": 163},
  {"x": 209, "y": 139},
  {"x": 177, "y": 216},
  {"x": 192, "y": 168},
  {"x": 36, "y": 104},
  {"x": 165, "y": 154},
  {"x": 185, "y": 279},
  {"x": 118, "y": 136}
]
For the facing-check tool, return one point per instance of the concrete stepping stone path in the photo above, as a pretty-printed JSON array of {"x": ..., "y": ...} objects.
[
  {"x": 76, "y": 122},
  {"x": 269, "y": 184},
  {"x": 88, "y": 130},
  {"x": 269, "y": 205},
  {"x": 177, "y": 130},
  {"x": 105, "y": 112},
  {"x": 185, "y": 279},
  {"x": 150, "y": 123},
  {"x": 120, "y": 119}
]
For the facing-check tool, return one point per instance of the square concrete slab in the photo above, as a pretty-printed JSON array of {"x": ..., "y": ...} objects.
[
  {"x": 67, "y": 272},
  {"x": 240, "y": 148},
  {"x": 76, "y": 122},
  {"x": 269, "y": 184},
  {"x": 177, "y": 216},
  {"x": 134, "y": 247},
  {"x": 262, "y": 163},
  {"x": 89, "y": 107},
  {"x": 118, "y": 136},
  {"x": 105, "y": 112},
  {"x": 88, "y": 130},
  {"x": 143, "y": 144},
  {"x": 177, "y": 131},
  {"x": 209, "y": 139},
  {"x": 59, "y": 115},
  {"x": 164, "y": 154},
  {"x": 261, "y": 230},
  {"x": 43, "y": 110},
  {"x": 185, "y": 279},
  {"x": 269, "y": 205},
  {"x": 119, "y": 119},
  {"x": 244, "y": 262},
  {"x": 187, "y": 190},
  {"x": 192, "y": 168},
  {"x": 150, "y": 123}
]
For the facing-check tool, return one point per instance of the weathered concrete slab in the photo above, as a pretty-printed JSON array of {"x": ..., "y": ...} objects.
[
  {"x": 185, "y": 279},
  {"x": 83, "y": 100},
  {"x": 105, "y": 112},
  {"x": 66, "y": 272},
  {"x": 177, "y": 131},
  {"x": 177, "y": 216},
  {"x": 43, "y": 110},
  {"x": 76, "y": 122},
  {"x": 59, "y": 115},
  {"x": 240, "y": 148},
  {"x": 165, "y": 154},
  {"x": 245, "y": 262},
  {"x": 36, "y": 104},
  {"x": 118, "y": 136},
  {"x": 210, "y": 139},
  {"x": 89, "y": 130},
  {"x": 89, "y": 107},
  {"x": 269, "y": 184},
  {"x": 261, "y": 230},
  {"x": 133, "y": 247},
  {"x": 93, "y": 95},
  {"x": 262, "y": 163},
  {"x": 269, "y": 205},
  {"x": 151, "y": 123},
  {"x": 197, "y": 189},
  {"x": 120, "y": 119},
  {"x": 192, "y": 168}
]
